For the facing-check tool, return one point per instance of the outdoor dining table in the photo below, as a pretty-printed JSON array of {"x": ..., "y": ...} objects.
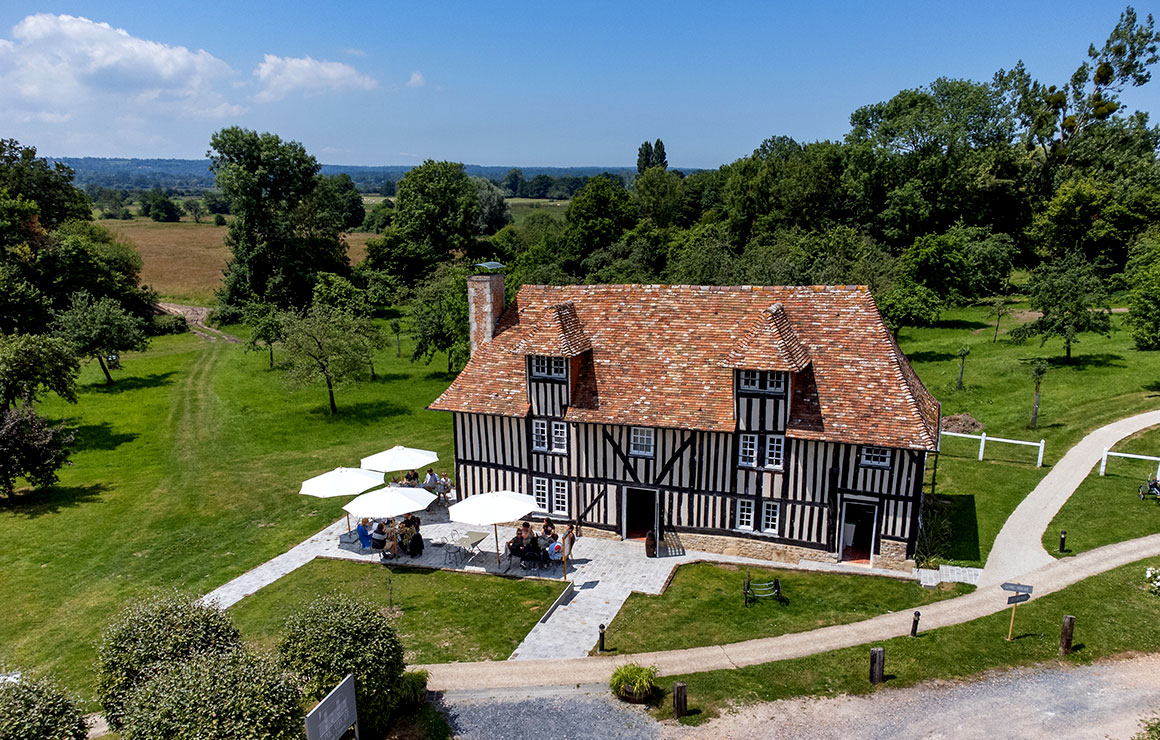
[{"x": 470, "y": 543}]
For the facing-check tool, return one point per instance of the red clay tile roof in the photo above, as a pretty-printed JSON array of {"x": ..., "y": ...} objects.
[
  {"x": 659, "y": 353},
  {"x": 557, "y": 334},
  {"x": 770, "y": 344}
]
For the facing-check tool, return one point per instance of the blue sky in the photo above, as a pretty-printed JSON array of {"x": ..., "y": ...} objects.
[{"x": 502, "y": 83}]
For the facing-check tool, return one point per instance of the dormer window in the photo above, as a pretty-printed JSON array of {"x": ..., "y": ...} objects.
[
  {"x": 762, "y": 381},
  {"x": 549, "y": 367}
]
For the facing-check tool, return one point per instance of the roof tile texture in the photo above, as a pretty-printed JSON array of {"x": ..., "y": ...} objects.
[{"x": 661, "y": 356}]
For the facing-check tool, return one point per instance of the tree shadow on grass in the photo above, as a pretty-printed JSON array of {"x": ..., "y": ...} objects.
[
  {"x": 365, "y": 413},
  {"x": 133, "y": 383},
  {"x": 391, "y": 377},
  {"x": 36, "y": 503},
  {"x": 964, "y": 521},
  {"x": 100, "y": 437},
  {"x": 926, "y": 356},
  {"x": 960, "y": 324},
  {"x": 1083, "y": 362},
  {"x": 440, "y": 375},
  {"x": 1152, "y": 387}
]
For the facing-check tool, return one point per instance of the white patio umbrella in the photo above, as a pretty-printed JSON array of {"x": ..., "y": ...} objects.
[
  {"x": 493, "y": 508},
  {"x": 389, "y": 502},
  {"x": 399, "y": 458},
  {"x": 341, "y": 482}
]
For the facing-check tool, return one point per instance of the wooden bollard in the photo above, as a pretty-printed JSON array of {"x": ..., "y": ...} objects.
[
  {"x": 1065, "y": 636},
  {"x": 680, "y": 700},
  {"x": 877, "y": 665}
]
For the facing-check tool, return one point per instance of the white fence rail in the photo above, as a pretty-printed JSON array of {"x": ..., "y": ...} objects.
[
  {"x": 1108, "y": 453},
  {"x": 984, "y": 439}
]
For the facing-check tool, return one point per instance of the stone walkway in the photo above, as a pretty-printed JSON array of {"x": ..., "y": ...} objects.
[{"x": 1019, "y": 547}]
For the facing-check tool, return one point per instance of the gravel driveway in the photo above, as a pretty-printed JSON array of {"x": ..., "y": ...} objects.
[
  {"x": 549, "y": 713},
  {"x": 1104, "y": 700}
]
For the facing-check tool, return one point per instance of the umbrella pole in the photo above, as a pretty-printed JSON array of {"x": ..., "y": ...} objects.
[{"x": 497, "y": 562}]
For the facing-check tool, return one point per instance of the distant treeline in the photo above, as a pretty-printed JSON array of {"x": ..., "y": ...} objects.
[{"x": 191, "y": 176}]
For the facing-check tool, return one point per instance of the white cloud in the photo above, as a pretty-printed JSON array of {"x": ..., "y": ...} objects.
[
  {"x": 60, "y": 66},
  {"x": 281, "y": 76},
  {"x": 417, "y": 79}
]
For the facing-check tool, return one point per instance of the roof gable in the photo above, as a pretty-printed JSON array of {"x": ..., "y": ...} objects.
[
  {"x": 558, "y": 333},
  {"x": 770, "y": 344}
]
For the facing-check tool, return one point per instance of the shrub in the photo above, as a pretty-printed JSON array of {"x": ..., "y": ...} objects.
[
  {"x": 1152, "y": 580},
  {"x": 219, "y": 220},
  {"x": 168, "y": 324},
  {"x": 149, "y": 637},
  {"x": 38, "y": 709},
  {"x": 335, "y": 635},
  {"x": 216, "y": 696},
  {"x": 412, "y": 690},
  {"x": 632, "y": 681}
]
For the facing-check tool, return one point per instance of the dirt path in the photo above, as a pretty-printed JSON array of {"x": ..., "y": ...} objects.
[
  {"x": 1107, "y": 699},
  {"x": 196, "y": 316}
]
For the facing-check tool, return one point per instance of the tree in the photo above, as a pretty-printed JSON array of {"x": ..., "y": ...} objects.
[
  {"x": 195, "y": 209},
  {"x": 396, "y": 327},
  {"x": 339, "y": 293},
  {"x": 909, "y": 304},
  {"x": 513, "y": 183},
  {"x": 1143, "y": 278},
  {"x": 962, "y": 353},
  {"x": 265, "y": 324},
  {"x": 216, "y": 203},
  {"x": 1000, "y": 306},
  {"x": 341, "y": 196},
  {"x": 158, "y": 206},
  {"x": 98, "y": 328},
  {"x": 379, "y": 218},
  {"x": 657, "y": 194},
  {"x": 494, "y": 213},
  {"x": 31, "y": 449},
  {"x": 1072, "y": 299},
  {"x": 436, "y": 213},
  {"x": 644, "y": 157},
  {"x": 1038, "y": 370},
  {"x": 323, "y": 344},
  {"x": 439, "y": 317},
  {"x": 31, "y": 365},
  {"x": 704, "y": 258},
  {"x": 597, "y": 216},
  {"x": 659, "y": 159},
  {"x": 23, "y": 174},
  {"x": 283, "y": 232}
]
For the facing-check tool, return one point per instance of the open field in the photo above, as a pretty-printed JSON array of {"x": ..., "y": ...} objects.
[
  {"x": 521, "y": 208},
  {"x": 440, "y": 616},
  {"x": 1107, "y": 509},
  {"x": 1114, "y": 615},
  {"x": 702, "y": 606},
  {"x": 184, "y": 261}
]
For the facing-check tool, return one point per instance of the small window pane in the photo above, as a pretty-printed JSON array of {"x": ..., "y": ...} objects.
[
  {"x": 539, "y": 434},
  {"x": 769, "y": 513},
  {"x": 559, "y": 436},
  {"x": 876, "y": 457},
  {"x": 745, "y": 514},
  {"x": 777, "y": 382},
  {"x": 559, "y": 368},
  {"x": 749, "y": 379},
  {"x": 774, "y": 451},
  {"x": 560, "y": 496},
  {"x": 641, "y": 442},
  {"x": 540, "y": 491},
  {"x": 747, "y": 451}
]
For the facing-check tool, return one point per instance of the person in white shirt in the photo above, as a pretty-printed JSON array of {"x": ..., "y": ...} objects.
[{"x": 431, "y": 480}]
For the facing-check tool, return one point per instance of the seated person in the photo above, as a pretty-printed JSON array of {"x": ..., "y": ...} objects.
[
  {"x": 531, "y": 554},
  {"x": 415, "y": 545},
  {"x": 392, "y": 539},
  {"x": 555, "y": 550},
  {"x": 411, "y": 479},
  {"x": 431, "y": 480},
  {"x": 379, "y": 538},
  {"x": 364, "y": 534},
  {"x": 548, "y": 528},
  {"x": 515, "y": 545},
  {"x": 410, "y": 520}
]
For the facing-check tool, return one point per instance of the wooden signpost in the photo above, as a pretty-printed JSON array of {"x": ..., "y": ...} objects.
[{"x": 1021, "y": 593}]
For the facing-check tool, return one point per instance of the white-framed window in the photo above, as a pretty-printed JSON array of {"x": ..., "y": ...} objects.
[
  {"x": 750, "y": 380},
  {"x": 745, "y": 514},
  {"x": 774, "y": 451},
  {"x": 642, "y": 442},
  {"x": 549, "y": 367},
  {"x": 776, "y": 382},
  {"x": 540, "y": 492},
  {"x": 559, "y": 436},
  {"x": 875, "y": 457},
  {"x": 770, "y": 510},
  {"x": 560, "y": 497},
  {"x": 747, "y": 451},
  {"x": 539, "y": 434}
]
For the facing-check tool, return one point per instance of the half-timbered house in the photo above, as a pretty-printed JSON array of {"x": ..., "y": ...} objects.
[{"x": 781, "y": 422}]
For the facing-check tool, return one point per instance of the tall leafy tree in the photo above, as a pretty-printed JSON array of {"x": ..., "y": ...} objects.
[
  {"x": 657, "y": 194},
  {"x": 644, "y": 157},
  {"x": 494, "y": 213},
  {"x": 659, "y": 158},
  {"x": 31, "y": 365},
  {"x": 98, "y": 328},
  {"x": 30, "y": 449},
  {"x": 324, "y": 345},
  {"x": 1143, "y": 278},
  {"x": 24, "y": 174},
  {"x": 597, "y": 216},
  {"x": 1072, "y": 299},
  {"x": 439, "y": 317}
]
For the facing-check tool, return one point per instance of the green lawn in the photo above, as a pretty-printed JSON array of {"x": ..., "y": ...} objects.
[
  {"x": 440, "y": 616},
  {"x": 702, "y": 606},
  {"x": 521, "y": 208},
  {"x": 1107, "y": 509},
  {"x": 1114, "y": 615},
  {"x": 186, "y": 475}
]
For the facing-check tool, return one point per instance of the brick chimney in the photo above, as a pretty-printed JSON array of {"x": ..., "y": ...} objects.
[{"x": 484, "y": 305}]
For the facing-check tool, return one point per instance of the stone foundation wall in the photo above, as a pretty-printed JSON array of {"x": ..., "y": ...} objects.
[{"x": 892, "y": 555}]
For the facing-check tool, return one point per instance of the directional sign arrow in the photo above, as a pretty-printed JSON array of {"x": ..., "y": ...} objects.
[
  {"x": 1018, "y": 588},
  {"x": 1018, "y": 598}
]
